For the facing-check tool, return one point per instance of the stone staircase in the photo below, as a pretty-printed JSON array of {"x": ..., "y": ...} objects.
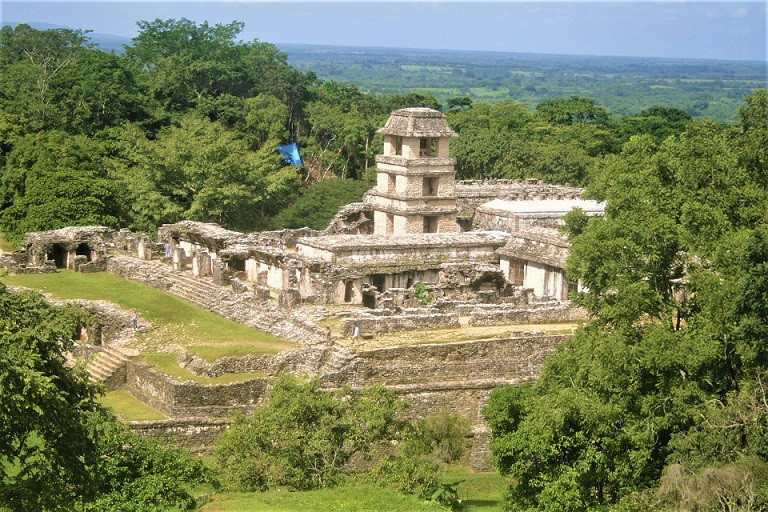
[
  {"x": 197, "y": 290},
  {"x": 245, "y": 308},
  {"x": 107, "y": 364}
]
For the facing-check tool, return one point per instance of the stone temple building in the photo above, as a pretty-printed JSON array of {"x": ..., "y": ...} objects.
[
  {"x": 465, "y": 241},
  {"x": 415, "y": 178},
  {"x": 462, "y": 240}
]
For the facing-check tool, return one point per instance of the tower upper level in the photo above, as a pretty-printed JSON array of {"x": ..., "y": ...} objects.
[
  {"x": 417, "y": 133},
  {"x": 414, "y": 175}
]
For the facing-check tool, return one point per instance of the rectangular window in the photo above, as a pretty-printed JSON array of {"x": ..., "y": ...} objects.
[
  {"x": 427, "y": 147},
  {"x": 517, "y": 272},
  {"x": 431, "y": 186},
  {"x": 430, "y": 224}
]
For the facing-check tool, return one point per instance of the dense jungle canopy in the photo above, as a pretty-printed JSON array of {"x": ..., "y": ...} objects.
[{"x": 184, "y": 124}]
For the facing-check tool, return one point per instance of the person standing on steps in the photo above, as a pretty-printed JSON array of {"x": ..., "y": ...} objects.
[
  {"x": 328, "y": 336},
  {"x": 135, "y": 320},
  {"x": 356, "y": 336}
]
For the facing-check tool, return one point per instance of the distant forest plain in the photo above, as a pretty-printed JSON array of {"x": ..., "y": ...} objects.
[{"x": 623, "y": 85}]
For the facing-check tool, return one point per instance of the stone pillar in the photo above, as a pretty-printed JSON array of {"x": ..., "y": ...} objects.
[
  {"x": 145, "y": 248},
  {"x": 204, "y": 264},
  {"x": 71, "y": 255},
  {"x": 178, "y": 258},
  {"x": 196, "y": 263},
  {"x": 220, "y": 273}
]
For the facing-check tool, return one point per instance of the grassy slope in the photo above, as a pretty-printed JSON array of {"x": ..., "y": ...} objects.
[
  {"x": 481, "y": 492},
  {"x": 128, "y": 407},
  {"x": 173, "y": 320}
]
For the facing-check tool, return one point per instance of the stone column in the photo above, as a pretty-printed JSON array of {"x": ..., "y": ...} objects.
[
  {"x": 145, "y": 248},
  {"x": 178, "y": 258},
  {"x": 196, "y": 263}
]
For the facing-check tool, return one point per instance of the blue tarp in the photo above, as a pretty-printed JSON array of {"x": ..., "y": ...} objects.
[{"x": 290, "y": 153}]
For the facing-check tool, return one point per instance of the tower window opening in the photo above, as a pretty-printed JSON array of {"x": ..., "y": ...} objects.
[
  {"x": 431, "y": 186},
  {"x": 427, "y": 147}
]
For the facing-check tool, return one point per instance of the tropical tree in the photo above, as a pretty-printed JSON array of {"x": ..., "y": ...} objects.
[
  {"x": 52, "y": 180},
  {"x": 667, "y": 376},
  {"x": 59, "y": 449},
  {"x": 303, "y": 436}
]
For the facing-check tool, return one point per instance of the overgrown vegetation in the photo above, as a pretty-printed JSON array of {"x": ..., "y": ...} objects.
[
  {"x": 304, "y": 437},
  {"x": 185, "y": 125},
  {"x": 659, "y": 402},
  {"x": 59, "y": 449}
]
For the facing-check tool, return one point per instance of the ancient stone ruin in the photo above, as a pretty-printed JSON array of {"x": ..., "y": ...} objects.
[{"x": 421, "y": 251}]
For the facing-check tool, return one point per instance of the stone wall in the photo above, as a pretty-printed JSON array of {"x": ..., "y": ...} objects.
[
  {"x": 500, "y": 315},
  {"x": 477, "y": 364},
  {"x": 423, "y": 319},
  {"x": 464, "y": 363},
  {"x": 196, "y": 435},
  {"x": 189, "y": 399}
]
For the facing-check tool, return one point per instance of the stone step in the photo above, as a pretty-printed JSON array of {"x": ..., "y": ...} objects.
[
  {"x": 212, "y": 290},
  {"x": 192, "y": 281},
  {"x": 197, "y": 299},
  {"x": 106, "y": 363},
  {"x": 194, "y": 292}
]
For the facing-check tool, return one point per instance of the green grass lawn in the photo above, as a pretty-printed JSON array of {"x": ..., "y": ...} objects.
[
  {"x": 128, "y": 407},
  {"x": 168, "y": 364},
  {"x": 357, "y": 498},
  {"x": 481, "y": 492},
  {"x": 173, "y": 320}
]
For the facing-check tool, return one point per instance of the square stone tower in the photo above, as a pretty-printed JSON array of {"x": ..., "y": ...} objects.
[{"x": 415, "y": 181}]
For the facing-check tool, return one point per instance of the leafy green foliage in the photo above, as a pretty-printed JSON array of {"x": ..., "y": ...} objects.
[
  {"x": 52, "y": 180},
  {"x": 427, "y": 446},
  {"x": 319, "y": 203},
  {"x": 138, "y": 474},
  {"x": 58, "y": 449},
  {"x": 406, "y": 474},
  {"x": 572, "y": 110},
  {"x": 670, "y": 368},
  {"x": 303, "y": 436},
  {"x": 43, "y": 432}
]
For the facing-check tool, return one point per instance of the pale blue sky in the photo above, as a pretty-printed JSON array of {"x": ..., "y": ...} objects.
[{"x": 717, "y": 30}]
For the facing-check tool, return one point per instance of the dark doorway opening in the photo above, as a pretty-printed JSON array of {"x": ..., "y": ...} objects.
[
  {"x": 369, "y": 300},
  {"x": 59, "y": 256},
  {"x": 377, "y": 281},
  {"x": 237, "y": 265},
  {"x": 349, "y": 289},
  {"x": 84, "y": 250}
]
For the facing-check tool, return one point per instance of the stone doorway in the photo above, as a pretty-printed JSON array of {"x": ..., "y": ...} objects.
[
  {"x": 58, "y": 254},
  {"x": 84, "y": 250}
]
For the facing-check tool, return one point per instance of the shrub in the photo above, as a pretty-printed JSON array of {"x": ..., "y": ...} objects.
[
  {"x": 303, "y": 436},
  {"x": 320, "y": 202},
  {"x": 406, "y": 474}
]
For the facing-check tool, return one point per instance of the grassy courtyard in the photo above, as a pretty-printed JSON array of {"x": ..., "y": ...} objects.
[{"x": 165, "y": 320}]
